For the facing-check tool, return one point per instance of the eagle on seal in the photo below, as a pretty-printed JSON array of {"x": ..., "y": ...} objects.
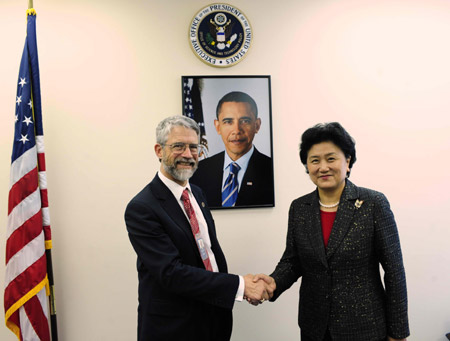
[{"x": 222, "y": 33}]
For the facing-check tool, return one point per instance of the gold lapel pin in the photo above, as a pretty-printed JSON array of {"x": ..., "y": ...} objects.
[
  {"x": 203, "y": 204},
  {"x": 358, "y": 203}
]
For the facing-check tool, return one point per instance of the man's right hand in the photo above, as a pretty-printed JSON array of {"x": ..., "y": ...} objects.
[
  {"x": 255, "y": 291},
  {"x": 258, "y": 288}
]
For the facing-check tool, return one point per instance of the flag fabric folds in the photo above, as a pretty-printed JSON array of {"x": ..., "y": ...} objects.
[
  {"x": 28, "y": 228},
  {"x": 193, "y": 109}
]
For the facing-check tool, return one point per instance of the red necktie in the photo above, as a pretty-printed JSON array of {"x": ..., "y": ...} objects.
[{"x": 195, "y": 229}]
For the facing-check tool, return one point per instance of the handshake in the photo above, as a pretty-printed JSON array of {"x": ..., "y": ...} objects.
[{"x": 258, "y": 288}]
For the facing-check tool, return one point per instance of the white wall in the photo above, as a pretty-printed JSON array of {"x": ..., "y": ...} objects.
[{"x": 110, "y": 70}]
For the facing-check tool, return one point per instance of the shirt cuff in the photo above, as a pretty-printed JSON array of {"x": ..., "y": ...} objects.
[{"x": 240, "y": 292}]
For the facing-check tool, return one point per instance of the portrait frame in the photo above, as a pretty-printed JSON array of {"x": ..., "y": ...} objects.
[{"x": 200, "y": 97}]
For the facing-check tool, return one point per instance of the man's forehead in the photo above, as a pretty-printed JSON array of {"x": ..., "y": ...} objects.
[{"x": 181, "y": 132}]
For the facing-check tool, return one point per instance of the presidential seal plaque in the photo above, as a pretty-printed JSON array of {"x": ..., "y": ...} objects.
[{"x": 220, "y": 35}]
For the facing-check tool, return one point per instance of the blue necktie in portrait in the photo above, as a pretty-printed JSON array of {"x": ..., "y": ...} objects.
[{"x": 230, "y": 188}]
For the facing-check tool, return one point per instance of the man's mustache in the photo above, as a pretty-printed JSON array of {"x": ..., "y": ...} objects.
[{"x": 190, "y": 161}]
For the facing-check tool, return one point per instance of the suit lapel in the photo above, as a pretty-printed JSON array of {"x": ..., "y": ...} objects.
[
  {"x": 216, "y": 181},
  {"x": 315, "y": 228},
  {"x": 208, "y": 218},
  {"x": 212, "y": 185},
  {"x": 201, "y": 203},
  {"x": 343, "y": 219},
  {"x": 170, "y": 204},
  {"x": 247, "y": 180},
  {"x": 215, "y": 247}
]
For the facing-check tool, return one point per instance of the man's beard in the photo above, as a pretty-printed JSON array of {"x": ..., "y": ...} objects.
[{"x": 179, "y": 174}]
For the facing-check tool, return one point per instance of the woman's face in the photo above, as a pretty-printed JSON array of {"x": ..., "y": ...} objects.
[{"x": 327, "y": 166}]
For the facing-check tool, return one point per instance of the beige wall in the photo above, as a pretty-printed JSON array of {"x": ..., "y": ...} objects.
[{"x": 110, "y": 70}]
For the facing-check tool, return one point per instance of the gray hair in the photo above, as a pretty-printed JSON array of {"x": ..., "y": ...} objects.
[{"x": 165, "y": 127}]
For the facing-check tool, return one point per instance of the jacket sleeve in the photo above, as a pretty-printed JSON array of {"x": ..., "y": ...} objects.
[
  {"x": 289, "y": 269},
  {"x": 387, "y": 244},
  {"x": 160, "y": 256}
]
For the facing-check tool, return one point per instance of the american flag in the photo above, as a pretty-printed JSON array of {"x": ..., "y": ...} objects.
[
  {"x": 192, "y": 108},
  {"x": 28, "y": 230}
]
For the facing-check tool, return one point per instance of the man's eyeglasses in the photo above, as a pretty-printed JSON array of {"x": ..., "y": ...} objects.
[{"x": 179, "y": 147}]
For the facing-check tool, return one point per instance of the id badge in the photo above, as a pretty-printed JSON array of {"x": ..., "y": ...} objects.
[{"x": 201, "y": 246}]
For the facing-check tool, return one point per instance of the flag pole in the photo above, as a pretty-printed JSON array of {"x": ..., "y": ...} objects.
[
  {"x": 48, "y": 253},
  {"x": 53, "y": 326}
]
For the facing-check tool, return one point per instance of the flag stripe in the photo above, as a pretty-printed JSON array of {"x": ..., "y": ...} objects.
[
  {"x": 44, "y": 197},
  {"x": 37, "y": 318},
  {"x": 45, "y": 216},
  {"x": 25, "y": 285},
  {"x": 42, "y": 296},
  {"x": 23, "y": 211},
  {"x": 40, "y": 143},
  {"x": 42, "y": 180},
  {"x": 26, "y": 257},
  {"x": 23, "y": 165},
  {"x": 22, "y": 188},
  {"x": 26, "y": 326},
  {"x": 41, "y": 161},
  {"x": 23, "y": 235}
]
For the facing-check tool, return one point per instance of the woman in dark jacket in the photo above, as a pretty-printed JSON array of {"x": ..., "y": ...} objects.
[{"x": 337, "y": 237}]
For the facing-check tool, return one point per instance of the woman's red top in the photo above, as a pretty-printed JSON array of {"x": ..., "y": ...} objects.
[{"x": 327, "y": 219}]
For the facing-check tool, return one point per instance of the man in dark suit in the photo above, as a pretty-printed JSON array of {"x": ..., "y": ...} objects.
[
  {"x": 237, "y": 122},
  {"x": 185, "y": 292}
]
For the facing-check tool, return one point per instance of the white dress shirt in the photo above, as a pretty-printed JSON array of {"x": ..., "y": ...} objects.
[{"x": 242, "y": 162}]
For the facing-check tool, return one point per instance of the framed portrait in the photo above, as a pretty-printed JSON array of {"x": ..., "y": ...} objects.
[{"x": 234, "y": 114}]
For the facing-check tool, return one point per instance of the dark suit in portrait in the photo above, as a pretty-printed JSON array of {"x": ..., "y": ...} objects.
[
  {"x": 341, "y": 287},
  {"x": 178, "y": 299},
  {"x": 257, "y": 184}
]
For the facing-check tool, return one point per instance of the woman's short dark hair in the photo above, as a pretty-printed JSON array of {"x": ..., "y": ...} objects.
[{"x": 328, "y": 132}]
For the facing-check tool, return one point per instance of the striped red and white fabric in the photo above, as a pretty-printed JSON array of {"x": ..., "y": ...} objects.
[{"x": 28, "y": 230}]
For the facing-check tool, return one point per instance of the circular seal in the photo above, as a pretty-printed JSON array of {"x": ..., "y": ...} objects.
[{"x": 220, "y": 35}]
